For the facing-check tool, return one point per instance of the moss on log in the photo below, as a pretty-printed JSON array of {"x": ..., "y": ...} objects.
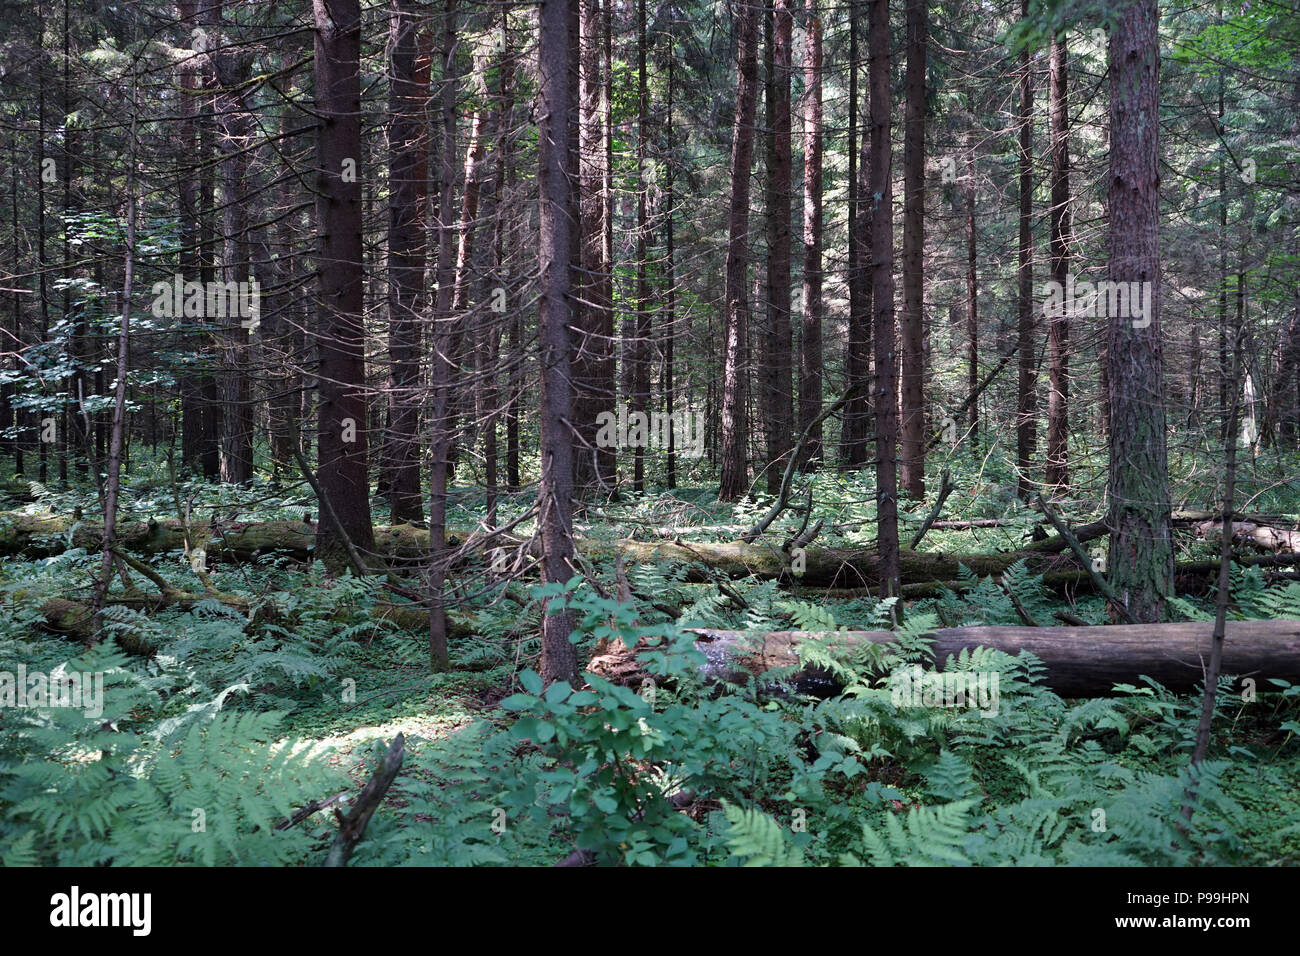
[{"x": 1080, "y": 661}]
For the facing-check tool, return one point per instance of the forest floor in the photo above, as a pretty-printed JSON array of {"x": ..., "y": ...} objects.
[{"x": 295, "y": 695}]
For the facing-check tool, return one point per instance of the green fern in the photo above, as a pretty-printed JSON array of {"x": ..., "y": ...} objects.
[{"x": 760, "y": 840}]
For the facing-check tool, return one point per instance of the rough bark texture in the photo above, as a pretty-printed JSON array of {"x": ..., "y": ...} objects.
[
  {"x": 339, "y": 321},
  {"x": 641, "y": 348},
  {"x": 408, "y": 165},
  {"x": 882, "y": 293},
  {"x": 1058, "y": 328},
  {"x": 735, "y": 430},
  {"x": 778, "y": 381},
  {"x": 1080, "y": 661},
  {"x": 912, "y": 322},
  {"x": 972, "y": 308},
  {"x": 857, "y": 423},
  {"x": 593, "y": 347},
  {"x": 1141, "y": 550},
  {"x": 1026, "y": 398},
  {"x": 810, "y": 345},
  {"x": 557, "y": 216}
]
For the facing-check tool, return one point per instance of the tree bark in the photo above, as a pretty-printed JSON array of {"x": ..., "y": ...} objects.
[
  {"x": 912, "y": 322},
  {"x": 810, "y": 343},
  {"x": 342, "y": 421},
  {"x": 1141, "y": 555},
  {"x": 557, "y": 215},
  {"x": 593, "y": 356},
  {"x": 972, "y": 306},
  {"x": 856, "y": 423},
  {"x": 408, "y": 168},
  {"x": 735, "y": 430},
  {"x": 1058, "y": 328},
  {"x": 1026, "y": 398},
  {"x": 882, "y": 295},
  {"x": 1079, "y": 661},
  {"x": 641, "y": 349},
  {"x": 778, "y": 385}
]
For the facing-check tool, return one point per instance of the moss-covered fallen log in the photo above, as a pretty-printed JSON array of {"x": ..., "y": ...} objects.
[
  {"x": 75, "y": 618},
  {"x": 39, "y": 535},
  {"x": 42, "y": 535},
  {"x": 1079, "y": 661}
]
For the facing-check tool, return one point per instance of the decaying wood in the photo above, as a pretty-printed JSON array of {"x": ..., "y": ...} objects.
[
  {"x": 353, "y": 826},
  {"x": 1098, "y": 581},
  {"x": 1079, "y": 661},
  {"x": 37, "y": 535},
  {"x": 1261, "y": 537}
]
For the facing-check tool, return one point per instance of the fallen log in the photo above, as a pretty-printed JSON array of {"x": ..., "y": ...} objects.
[
  {"x": 1261, "y": 537},
  {"x": 44, "y": 535},
  {"x": 75, "y": 619},
  {"x": 1080, "y": 661},
  {"x": 40, "y": 535}
]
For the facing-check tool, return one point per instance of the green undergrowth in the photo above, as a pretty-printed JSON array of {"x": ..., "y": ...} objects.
[{"x": 242, "y": 716}]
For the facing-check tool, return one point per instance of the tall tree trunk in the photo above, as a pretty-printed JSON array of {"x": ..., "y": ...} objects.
[
  {"x": 340, "y": 325},
  {"x": 641, "y": 350},
  {"x": 1141, "y": 548},
  {"x": 408, "y": 167},
  {"x": 857, "y": 411},
  {"x": 810, "y": 344},
  {"x": 735, "y": 431},
  {"x": 114, "y": 463},
  {"x": 189, "y": 383},
  {"x": 1223, "y": 280},
  {"x": 42, "y": 279},
  {"x": 557, "y": 214},
  {"x": 1026, "y": 399},
  {"x": 912, "y": 323},
  {"x": 501, "y": 220},
  {"x": 882, "y": 295},
  {"x": 212, "y": 424},
  {"x": 442, "y": 383},
  {"x": 670, "y": 278},
  {"x": 236, "y": 135},
  {"x": 594, "y": 316},
  {"x": 778, "y": 394},
  {"x": 1058, "y": 329},
  {"x": 972, "y": 307}
]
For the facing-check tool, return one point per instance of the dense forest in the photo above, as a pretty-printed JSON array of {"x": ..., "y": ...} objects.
[{"x": 601, "y": 432}]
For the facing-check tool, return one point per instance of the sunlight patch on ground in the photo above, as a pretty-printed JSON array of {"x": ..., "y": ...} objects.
[{"x": 418, "y": 728}]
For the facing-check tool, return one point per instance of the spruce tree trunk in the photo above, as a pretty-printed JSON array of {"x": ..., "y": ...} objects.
[
  {"x": 810, "y": 343},
  {"x": 1141, "y": 549},
  {"x": 882, "y": 295},
  {"x": 594, "y": 318},
  {"x": 972, "y": 307},
  {"x": 557, "y": 215},
  {"x": 1060, "y": 224},
  {"x": 340, "y": 326},
  {"x": 778, "y": 384},
  {"x": 857, "y": 412},
  {"x": 735, "y": 431},
  {"x": 1026, "y": 399},
  {"x": 912, "y": 323},
  {"x": 408, "y": 166}
]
